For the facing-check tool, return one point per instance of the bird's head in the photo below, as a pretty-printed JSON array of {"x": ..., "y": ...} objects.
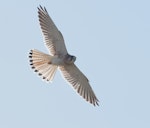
[
  {"x": 73, "y": 59},
  {"x": 70, "y": 59}
]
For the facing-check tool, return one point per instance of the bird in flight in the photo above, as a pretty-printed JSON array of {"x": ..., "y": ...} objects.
[{"x": 47, "y": 64}]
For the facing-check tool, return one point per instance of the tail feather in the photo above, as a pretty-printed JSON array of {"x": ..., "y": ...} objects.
[{"x": 41, "y": 63}]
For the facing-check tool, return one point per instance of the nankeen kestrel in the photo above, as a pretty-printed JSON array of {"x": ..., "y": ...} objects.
[{"x": 47, "y": 64}]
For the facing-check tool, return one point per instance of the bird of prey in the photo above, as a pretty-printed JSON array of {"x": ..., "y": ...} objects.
[{"x": 47, "y": 64}]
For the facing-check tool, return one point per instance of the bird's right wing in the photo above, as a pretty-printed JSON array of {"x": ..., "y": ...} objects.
[
  {"x": 53, "y": 37},
  {"x": 79, "y": 81}
]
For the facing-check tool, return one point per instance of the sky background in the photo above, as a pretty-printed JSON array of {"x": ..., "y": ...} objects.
[{"x": 111, "y": 40}]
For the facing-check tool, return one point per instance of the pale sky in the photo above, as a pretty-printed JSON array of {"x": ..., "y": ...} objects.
[{"x": 111, "y": 40}]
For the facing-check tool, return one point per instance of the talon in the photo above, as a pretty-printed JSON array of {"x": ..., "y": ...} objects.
[{"x": 49, "y": 62}]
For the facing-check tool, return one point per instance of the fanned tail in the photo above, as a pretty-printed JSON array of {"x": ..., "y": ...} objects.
[{"x": 41, "y": 63}]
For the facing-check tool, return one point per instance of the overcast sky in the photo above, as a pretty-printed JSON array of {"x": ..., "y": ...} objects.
[{"x": 111, "y": 40}]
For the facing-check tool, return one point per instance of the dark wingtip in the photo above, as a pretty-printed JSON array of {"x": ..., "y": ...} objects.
[
  {"x": 45, "y": 9},
  {"x": 97, "y": 104},
  {"x": 40, "y": 8}
]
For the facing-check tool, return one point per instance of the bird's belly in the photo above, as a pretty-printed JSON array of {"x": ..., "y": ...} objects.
[{"x": 57, "y": 61}]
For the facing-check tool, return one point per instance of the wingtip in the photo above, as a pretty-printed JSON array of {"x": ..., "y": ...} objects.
[
  {"x": 95, "y": 103},
  {"x": 41, "y": 8}
]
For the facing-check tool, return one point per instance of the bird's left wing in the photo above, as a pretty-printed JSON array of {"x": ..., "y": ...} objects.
[
  {"x": 53, "y": 37},
  {"x": 79, "y": 81}
]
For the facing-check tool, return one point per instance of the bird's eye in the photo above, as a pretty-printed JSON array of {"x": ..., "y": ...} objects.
[{"x": 71, "y": 58}]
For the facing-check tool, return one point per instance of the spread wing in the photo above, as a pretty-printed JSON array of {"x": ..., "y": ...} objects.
[
  {"x": 79, "y": 81},
  {"x": 53, "y": 37}
]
